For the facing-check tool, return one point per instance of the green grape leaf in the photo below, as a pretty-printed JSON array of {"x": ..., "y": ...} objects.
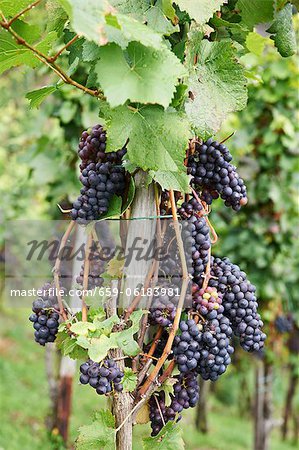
[
  {"x": 11, "y": 8},
  {"x": 105, "y": 326},
  {"x": 100, "y": 22},
  {"x": 12, "y": 54},
  {"x": 167, "y": 388},
  {"x": 156, "y": 19},
  {"x": 83, "y": 342},
  {"x": 90, "y": 51},
  {"x": 56, "y": 17},
  {"x": 256, "y": 43},
  {"x": 115, "y": 267},
  {"x": 143, "y": 74},
  {"x": 82, "y": 328},
  {"x": 172, "y": 180},
  {"x": 255, "y": 11},
  {"x": 39, "y": 95},
  {"x": 168, "y": 9},
  {"x": 125, "y": 338},
  {"x": 155, "y": 15},
  {"x": 283, "y": 33},
  {"x": 130, "y": 195},
  {"x": 114, "y": 208},
  {"x": 99, "y": 435},
  {"x": 169, "y": 438},
  {"x": 151, "y": 146},
  {"x": 200, "y": 11},
  {"x": 129, "y": 380},
  {"x": 134, "y": 8},
  {"x": 217, "y": 87},
  {"x": 99, "y": 347},
  {"x": 69, "y": 346}
]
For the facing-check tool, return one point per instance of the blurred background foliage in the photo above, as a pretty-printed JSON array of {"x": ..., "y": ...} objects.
[{"x": 38, "y": 167}]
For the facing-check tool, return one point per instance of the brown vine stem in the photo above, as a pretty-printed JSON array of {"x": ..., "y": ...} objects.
[
  {"x": 68, "y": 44},
  {"x": 47, "y": 59},
  {"x": 151, "y": 351},
  {"x": 166, "y": 374},
  {"x": 212, "y": 229},
  {"x": 151, "y": 378},
  {"x": 85, "y": 275},
  {"x": 57, "y": 265}
]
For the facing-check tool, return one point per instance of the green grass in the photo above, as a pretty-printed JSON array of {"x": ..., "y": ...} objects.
[{"x": 25, "y": 403}]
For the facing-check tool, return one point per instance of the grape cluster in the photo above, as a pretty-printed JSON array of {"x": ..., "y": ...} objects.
[
  {"x": 239, "y": 301},
  {"x": 186, "y": 395},
  {"x": 196, "y": 234},
  {"x": 45, "y": 317},
  {"x": 102, "y": 176},
  {"x": 204, "y": 346},
  {"x": 213, "y": 173},
  {"x": 104, "y": 377},
  {"x": 163, "y": 308},
  {"x": 186, "y": 346},
  {"x": 284, "y": 323}
]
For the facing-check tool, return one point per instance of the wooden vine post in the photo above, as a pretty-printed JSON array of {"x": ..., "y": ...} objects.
[{"x": 143, "y": 206}]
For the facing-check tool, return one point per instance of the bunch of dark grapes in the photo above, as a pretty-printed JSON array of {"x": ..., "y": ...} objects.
[
  {"x": 214, "y": 175},
  {"x": 45, "y": 316},
  {"x": 96, "y": 268},
  {"x": 217, "y": 332},
  {"x": 104, "y": 377},
  {"x": 186, "y": 395},
  {"x": 163, "y": 308},
  {"x": 102, "y": 176},
  {"x": 204, "y": 346},
  {"x": 284, "y": 323},
  {"x": 196, "y": 234},
  {"x": 186, "y": 346},
  {"x": 239, "y": 302}
]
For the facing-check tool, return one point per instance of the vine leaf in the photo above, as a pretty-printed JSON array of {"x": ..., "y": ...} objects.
[
  {"x": 129, "y": 380},
  {"x": 151, "y": 146},
  {"x": 256, "y": 43},
  {"x": 10, "y": 8},
  {"x": 115, "y": 267},
  {"x": 69, "y": 346},
  {"x": 12, "y": 54},
  {"x": 200, "y": 11},
  {"x": 99, "y": 435},
  {"x": 156, "y": 18},
  {"x": 125, "y": 338},
  {"x": 168, "y": 9},
  {"x": 100, "y": 22},
  {"x": 155, "y": 15},
  {"x": 56, "y": 17},
  {"x": 167, "y": 388},
  {"x": 283, "y": 33},
  {"x": 172, "y": 180},
  {"x": 217, "y": 87},
  {"x": 169, "y": 438},
  {"x": 134, "y": 8},
  {"x": 255, "y": 11},
  {"x": 37, "y": 96},
  {"x": 143, "y": 74},
  {"x": 82, "y": 328},
  {"x": 99, "y": 347}
]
